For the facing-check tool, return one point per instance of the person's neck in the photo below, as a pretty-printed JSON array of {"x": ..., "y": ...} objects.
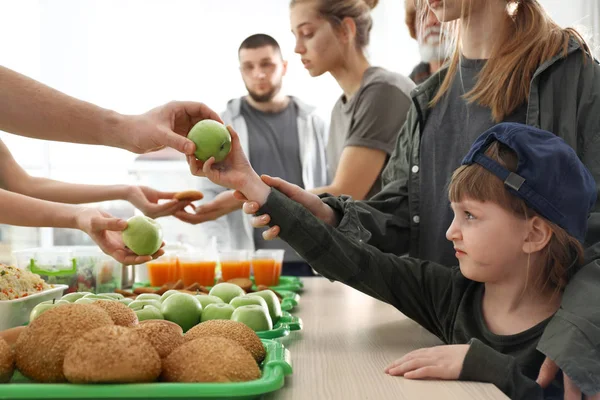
[
  {"x": 279, "y": 102},
  {"x": 518, "y": 302},
  {"x": 481, "y": 31},
  {"x": 349, "y": 75}
]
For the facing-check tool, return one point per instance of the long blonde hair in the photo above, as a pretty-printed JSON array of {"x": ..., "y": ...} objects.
[{"x": 531, "y": 38}]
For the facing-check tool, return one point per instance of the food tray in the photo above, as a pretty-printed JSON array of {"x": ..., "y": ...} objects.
[
  {"x": 274, "y": 369},
  {"x": 286, "y": 324},
  {"x": 288, "y": 283},
  {"x": 289, "y": 299}
]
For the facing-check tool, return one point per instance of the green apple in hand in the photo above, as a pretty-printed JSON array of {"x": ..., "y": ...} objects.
[
  {"x": 212, "y": 139},
  {"x": 206, "y": 299},
  {"x": 139, "y": 304},
  {"x": 72, "y": 297},
  {"x": 249, "y": 301},
  {"x": 272, "y": 302},
  {"x": 148, "y": 312},
  {"x": 217, "y": 311},
  {"x": 143, "y": 235},
  {"x": 148, "y": 296},
  {"x": 255, "y": 316},
  {"x": 183, "y": 309},
  {"x": 226, "y": 291}
]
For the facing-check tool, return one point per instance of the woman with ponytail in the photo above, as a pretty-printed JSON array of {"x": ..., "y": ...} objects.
[{"x": 511, "y": 63}]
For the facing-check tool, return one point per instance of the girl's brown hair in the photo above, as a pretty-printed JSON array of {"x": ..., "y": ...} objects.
[
  {"x": 531, "y": 38},
  {"x": 562, "y": 255},
  {"x": 334, "y": 11}
]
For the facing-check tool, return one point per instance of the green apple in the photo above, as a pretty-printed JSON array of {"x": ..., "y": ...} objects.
[
  {"x": 272, "y": 302},
  {"x": 97, "y": 297},
  {"x": 114, "y": 296},
  {"x": 255, "y": 316},
  {"x": 148, "y": 296},
  {"x": 167, "y": 294},
  {"x": 217, "y": 311},
  {"x": 127, "y": 301},
  {"x": 206, "y": 299},
  {"x": 143, "y": 235},
  {"x": 148, "y": 312},
  {"x": 226, "y": 291},
  {"x": 139, "y": 304},
  {"x": 248, "y": 301},
  {"x": 183, "y": 309},
  {"x": 212, "y": 139},
  {"x": 72, "y": 297}
]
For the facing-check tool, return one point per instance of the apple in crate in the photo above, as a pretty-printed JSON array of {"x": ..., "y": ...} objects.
[
  {"x": 148, "y": 312},
  {"x": 183, "y": 309},
  {"x": 206, "y": 299},
  {"x": 272, "y": 302},
  {"x": 255, "y": 316},
  {"x": 217, "y": 311},
  {"x": 226, "y": 291},
  {"x": 249, "y": 301}
]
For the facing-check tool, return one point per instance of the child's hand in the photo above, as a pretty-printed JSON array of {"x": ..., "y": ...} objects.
[
  {"x": 235, "y": 172},
  {"x": 440, "y": 362}
]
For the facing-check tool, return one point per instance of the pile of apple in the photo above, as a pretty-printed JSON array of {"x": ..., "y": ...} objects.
[{"x": 258, "y": 310}]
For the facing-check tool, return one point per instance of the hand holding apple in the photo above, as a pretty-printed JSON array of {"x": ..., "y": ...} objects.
[
  {"x": 143, "y": 235},
  {"x": 234, "y": 172},
  {"x": 106, "y": 230},
  {"x": 146, "y": 200}
]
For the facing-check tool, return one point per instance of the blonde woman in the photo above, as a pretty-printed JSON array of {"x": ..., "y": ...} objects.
[{"x": 512, "y": 63}]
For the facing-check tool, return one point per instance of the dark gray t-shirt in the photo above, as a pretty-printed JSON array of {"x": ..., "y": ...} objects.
[
  {"x": 371, "y": 118},
  {"x": 274, "y": 149},
  {"x": 452, "y": 127}
]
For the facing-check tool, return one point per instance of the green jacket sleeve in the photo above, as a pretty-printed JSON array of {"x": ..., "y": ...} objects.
[
  {"x": 384, "y": 220},
  {"x": 421, "y": 290},
  {"x": 484, "y": 364},
  {"x": 572, "y": 338}
]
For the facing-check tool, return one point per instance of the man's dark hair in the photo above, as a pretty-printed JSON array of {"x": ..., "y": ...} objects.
[{"x": 259, "y": 40}]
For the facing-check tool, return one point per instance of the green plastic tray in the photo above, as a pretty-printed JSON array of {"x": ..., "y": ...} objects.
[
  {"x": 288, "y": 283},
  {"x": 286, "y": 324},
  {"x": 289, "y": 299},
  {"x": 275, "y": 368}
]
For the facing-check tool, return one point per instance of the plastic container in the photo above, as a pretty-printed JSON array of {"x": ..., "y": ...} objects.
[
  {"x": 266, "y": 266},
  {"x": 198, "y": 267},
  {"x": 16, "y": 312},
  {"x": 81, "y": 268},
  {"x": 163, "y": 270},
  {"x": 234, "y": 264},
  {"x": 274, "y": 369}
]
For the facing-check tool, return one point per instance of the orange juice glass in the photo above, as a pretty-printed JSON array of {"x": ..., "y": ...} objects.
[
  {"x": 234, "y": 264},
  {"x": 197, "y": 267},
  {"x": 266, "y": 265},
  {"x": 160, "y": 270}
]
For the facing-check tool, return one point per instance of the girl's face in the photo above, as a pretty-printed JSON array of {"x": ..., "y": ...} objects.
[
  {"x": 316, "y": 40},
  {"x": 488, "y": 240}
]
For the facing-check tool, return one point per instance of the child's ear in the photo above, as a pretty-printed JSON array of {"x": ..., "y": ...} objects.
[{"x": 538, "y": 236}]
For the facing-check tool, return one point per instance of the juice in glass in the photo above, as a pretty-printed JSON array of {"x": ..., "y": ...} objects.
[
  {"x": 160, "y": 270},
  {"x": 197, "y": 268},
  {"x": 234, "y": 264},
  {"x": 266, "y": 265}
]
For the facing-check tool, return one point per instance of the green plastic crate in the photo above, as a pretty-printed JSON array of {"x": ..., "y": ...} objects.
[{"x": 274, "y": 369}]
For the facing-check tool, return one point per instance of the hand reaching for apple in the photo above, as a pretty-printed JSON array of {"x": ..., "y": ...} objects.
[
  {"x": 311, "y": 201},
  {"x": 222, "y": 204},
  {"x": 234, "y": 172},
  {"x": 105, "y": 230},
  {"x": 146, "y": 200}
]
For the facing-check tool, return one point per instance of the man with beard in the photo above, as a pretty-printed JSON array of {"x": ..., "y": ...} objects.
[
  {"x": 433, "y": 48},
  {"x": 282, "y": 137}
]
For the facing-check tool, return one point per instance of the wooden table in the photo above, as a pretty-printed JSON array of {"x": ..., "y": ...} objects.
[{"x": 348, "y": 339}]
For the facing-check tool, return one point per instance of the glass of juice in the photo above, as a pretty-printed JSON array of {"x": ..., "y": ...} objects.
[
  {"x": 160, "y": 270},
  {"x": 266, "y": 266},
  {"x": 197, "y": 267},
  {"x": 234, "y": 264}
]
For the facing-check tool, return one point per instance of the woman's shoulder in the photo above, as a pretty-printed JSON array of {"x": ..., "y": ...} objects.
[{"x": 381, "y": 77}]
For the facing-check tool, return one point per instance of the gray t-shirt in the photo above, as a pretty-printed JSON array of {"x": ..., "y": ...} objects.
[
  {"x": 371, "y": 118},
  {"x": 274, "y": 149},
  {"x": 450, "y": 130}
]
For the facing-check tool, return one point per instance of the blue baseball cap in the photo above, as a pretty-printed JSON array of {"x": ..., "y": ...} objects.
[{"x": 549, "y": 177}]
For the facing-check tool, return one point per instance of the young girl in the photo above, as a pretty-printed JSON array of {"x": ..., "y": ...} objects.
[
  {"x": 331, "y": 36},
  {"x": 511, "y": 63},
  {"x": 515, "y": 233}
]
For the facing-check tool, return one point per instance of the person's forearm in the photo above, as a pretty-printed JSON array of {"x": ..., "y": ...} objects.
[
  {"x": 63, "y": 192},
  {"x": 30, "y": 108},
  {"x": 21, "y": 210}
]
